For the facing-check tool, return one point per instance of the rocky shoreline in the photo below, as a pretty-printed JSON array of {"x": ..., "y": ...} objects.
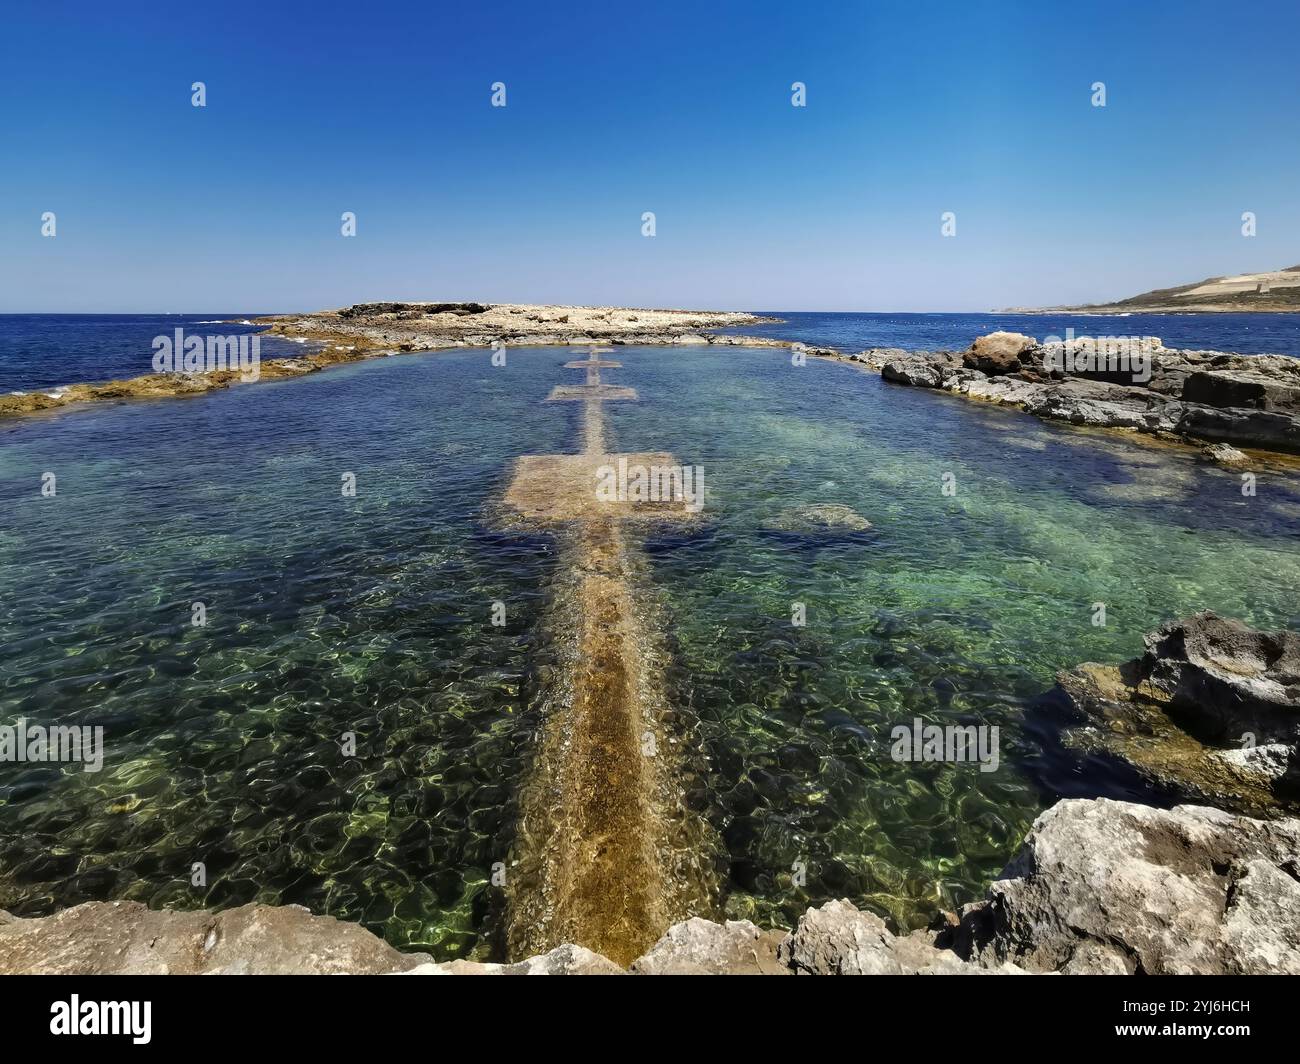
[
  {"x": 1099, "y": 887},
  {"x": 1191, "y": 397},
  {"x": 1203, "y": 396},
  {"x": 377, "y": 330}
]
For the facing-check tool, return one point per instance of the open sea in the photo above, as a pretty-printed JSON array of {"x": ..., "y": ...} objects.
[{"x": 49, "y": 350}]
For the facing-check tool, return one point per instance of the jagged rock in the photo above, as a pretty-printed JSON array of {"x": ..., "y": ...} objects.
[
  {"x": 122, "y": 937},
  {"x": 1238, "y": 388},
  {"x": 839, "y": 939},
  {"x": 1227, "y": 679},
  {"x": 701, "y": 947},
  {"x": 1253, "y": 400},
  {"x": 922, "y": 371},
  {"x": 1210, "y": 712},
  {"x": 563, "y": 960},
  {"x": 1104, "y": 886},
  {"x": 1001, "y": 352}
]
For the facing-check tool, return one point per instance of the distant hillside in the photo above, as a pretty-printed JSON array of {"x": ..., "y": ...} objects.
[{"x": 1277, "y": 290}]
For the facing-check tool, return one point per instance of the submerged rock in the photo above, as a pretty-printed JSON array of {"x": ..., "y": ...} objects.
[
  {"x": 1104, "y": 887},
  {"x": 818, "y": 518},
  {"x": 1210, "y": 712}
]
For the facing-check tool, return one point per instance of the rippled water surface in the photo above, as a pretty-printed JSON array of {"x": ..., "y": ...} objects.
[{"x": 371, "y": 616}]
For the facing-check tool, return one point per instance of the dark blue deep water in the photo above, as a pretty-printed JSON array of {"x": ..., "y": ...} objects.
[
  {"x": 1251, "y": 334},
  {"x": 48, "y": 350}
]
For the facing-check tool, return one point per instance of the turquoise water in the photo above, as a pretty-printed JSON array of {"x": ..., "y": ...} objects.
[
  {"x": 371, "y": 615},
  {"x": 952, "y": 609}
]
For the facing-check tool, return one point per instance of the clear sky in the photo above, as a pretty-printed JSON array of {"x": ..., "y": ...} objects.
[{"x": 613, "y": 109}]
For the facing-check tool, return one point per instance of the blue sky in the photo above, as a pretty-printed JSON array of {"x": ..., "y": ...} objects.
[{"x": 614, "y": 109}]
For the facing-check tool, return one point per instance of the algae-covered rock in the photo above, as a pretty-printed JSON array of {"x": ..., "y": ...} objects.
[{"x": 1210, "y": 712}]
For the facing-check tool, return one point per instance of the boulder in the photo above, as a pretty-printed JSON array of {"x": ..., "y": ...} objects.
[
  {"x": 920, "y": 370},
  {"x": 1001, "y": 352},
  {"x": 1110, "y": 887},
  {"x": 701, "y": 947},
  {"x": 1225, "y": 679}
]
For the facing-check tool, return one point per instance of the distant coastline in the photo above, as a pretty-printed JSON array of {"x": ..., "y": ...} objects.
[{"x": 1268, "y": 292}]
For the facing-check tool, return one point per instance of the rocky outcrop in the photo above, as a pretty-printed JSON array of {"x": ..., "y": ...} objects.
[
  {"x": 1242, "y": 388},
  {"x": 1105, "y": 887},
  {"x": 1250, "y": 400},
  {"x": 373, "y": 330},
  {"x": 1211, "y": 713},
  {"x": 839, "y": 939}
]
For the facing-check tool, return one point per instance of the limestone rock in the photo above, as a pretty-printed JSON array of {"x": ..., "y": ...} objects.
[
  {"x": 562, "y": 960},
  {"x": 1211, "y": 712},
  {"x": 121, "y": 937},
  {"x": 1104, "y": 886},
  {"x": 839, "y": 939},
  {"x": 921, "y": 372},
  {"x": 701, "y": 947},
  {"x": 1225, "y": 454},
  {"x": 1001, "y": 352},
  {"x": 1239, "y": 388}
]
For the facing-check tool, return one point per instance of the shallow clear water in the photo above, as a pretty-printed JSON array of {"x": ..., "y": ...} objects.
[
  {"x": 325, "y": 614},
  {"x": 329, "y": 615}
]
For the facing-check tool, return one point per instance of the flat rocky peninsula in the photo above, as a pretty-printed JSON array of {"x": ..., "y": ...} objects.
[
  {"x": 427, "y": 326},
  {"x": 370, "y": 330}
]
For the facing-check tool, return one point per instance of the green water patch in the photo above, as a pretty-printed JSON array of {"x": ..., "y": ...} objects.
[
  {"x": 347, "y": 730},
  {"x": 956, "y": 607}
]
